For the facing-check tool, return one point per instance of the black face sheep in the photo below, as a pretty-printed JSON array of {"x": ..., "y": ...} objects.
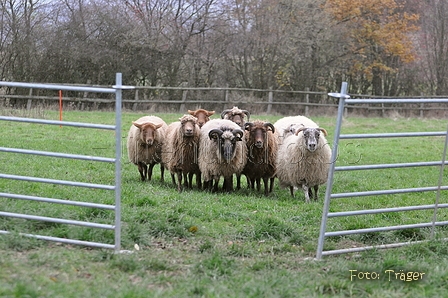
[
  {"x": 144, "y": 144},
  {"x": 222, "y": 152},
  {"x": 236, "y": 115},
  {"x": 303, "y": 161},
  {"x": 202, "y": 115},
  {"x": 262, "y": 147},
  {"x": 181, "y": 151}
]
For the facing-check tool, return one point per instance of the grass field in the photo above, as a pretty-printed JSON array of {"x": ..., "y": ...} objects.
[{"x": 201, "y": 244}]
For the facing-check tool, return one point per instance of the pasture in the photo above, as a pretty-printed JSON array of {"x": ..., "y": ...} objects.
[{"x": 202, "y": 244}]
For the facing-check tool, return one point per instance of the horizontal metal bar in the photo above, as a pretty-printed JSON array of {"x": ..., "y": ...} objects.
[
  {"x": 55, "y": 122},
  {"x": 384, "y": 210},
  {"x": 382, "y": 229},
  {"x": 397, "y": 101},
  {"x": 380, "y": 246},
  {"x": 392, "y": 135},
  {"x": 389, "y": 166},
  {"x": 60, "y": 182},
  {"x": 57, "y": 87},
  {"x": 56, "y": 201},
  {"x": 386, "y": 192},
  {"x": 57, "y": 154},
  {"x": 64, "y": 240},
  {"x": 58, "y": 220}
]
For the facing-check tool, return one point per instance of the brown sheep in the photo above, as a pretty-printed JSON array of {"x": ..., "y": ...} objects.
[
  {"x": 262, "y": 147},
  {"x": 144, "y": 144},
  {"x": 236, "y": 115},
  {"x": 181, "y": 151},
  {"x": 202, "y": 115}
]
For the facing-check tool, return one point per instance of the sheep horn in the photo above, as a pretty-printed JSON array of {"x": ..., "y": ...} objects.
[
  {"x": 215, "y": 133},
  {"x": 238, "y": 133},
  {"x": 224, "y": 113},
  {"x": 267, "y": 124},
  {"x": 299, "y": 130},
  {"x": 247, "y": 114},
  {"x": 248, "y": 125},
  {"x": 324, "y": 131}
]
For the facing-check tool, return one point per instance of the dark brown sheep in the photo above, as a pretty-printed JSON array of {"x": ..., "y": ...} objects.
[{"x": 262, "y": 147}]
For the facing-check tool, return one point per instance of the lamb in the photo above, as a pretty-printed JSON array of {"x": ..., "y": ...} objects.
[
  {"x": 181, "y": 151},
  {"x": 303, "y": 160},
  {"x": 287, "y": 126},
  {"x": 202, "y": 115},
  {"x": 144, "y": 145},
  {"x": 236, "y": 115},
  {"x": 222, "y": 152},
  {"x": 262, "y": 145}
]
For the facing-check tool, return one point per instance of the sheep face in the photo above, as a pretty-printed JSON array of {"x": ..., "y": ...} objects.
[
  {"x": 226, "y": 141},
  {"x": 202, "y": 115},
  {"x": 311, "y": 137},
  {"x": 236, "y": 115},
  {"x": 257, "y": 133},
  {"x": 147, "y": 132},
  {"x": 188, "y": 125}
]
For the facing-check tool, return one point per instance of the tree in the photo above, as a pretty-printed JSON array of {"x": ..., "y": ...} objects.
[{"x": 378, "y": 32}]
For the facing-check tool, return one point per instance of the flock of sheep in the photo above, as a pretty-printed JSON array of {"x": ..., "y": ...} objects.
[{"x": 293, "y": 149}]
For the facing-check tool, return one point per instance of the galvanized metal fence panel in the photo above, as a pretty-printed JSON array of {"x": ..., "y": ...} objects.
[
  {"x": 344, "y": 100},
  {"x": 116, "y": 187}
]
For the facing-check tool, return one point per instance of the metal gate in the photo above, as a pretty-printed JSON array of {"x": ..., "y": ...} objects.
[
  {"x": 116, "y": 188},
  {"x": 344, "y": 100}
]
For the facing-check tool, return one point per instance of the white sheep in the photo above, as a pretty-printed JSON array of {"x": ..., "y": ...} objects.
[
  {"x": 303, "y": 161},
  {"x": 180, "y": 152},
  {"x": 144, "y": 144},
  {"x": 222, "y": 152}
]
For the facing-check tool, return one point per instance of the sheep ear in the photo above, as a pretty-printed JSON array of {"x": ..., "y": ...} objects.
[
  {"x": 138, "y": 125},
  {"x": 324, "y": 131},
  {"x": 159, "y": 125},
  {"x": 269, "y": 126},
  {"x": 248, "y": 125},
  {"x": 209, "y": 113},
  {"x": 191, "y": 112},
  {"x": 238, "y": 133}
]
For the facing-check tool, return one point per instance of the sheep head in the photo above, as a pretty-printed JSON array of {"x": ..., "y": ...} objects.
[
  {"x": 147, "y": 131},
  {"x": 311, "y": 137},
  {"x": 202, "y": 115},
  {"x": 188, "y": 123},
  {"x": 257, "y": 132},
  {"x": 236, "y": 115},
  {"x": 226, "y": 140}
]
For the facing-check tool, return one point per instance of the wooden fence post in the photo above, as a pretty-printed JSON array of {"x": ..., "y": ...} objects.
[
  {"x": 184, "y": 99},
  {"x": 307, "y": 100},
  {"x": 270, "y": 100},
  {"x": 28, "y": 103},
  {"x": 134, "y": 106}
]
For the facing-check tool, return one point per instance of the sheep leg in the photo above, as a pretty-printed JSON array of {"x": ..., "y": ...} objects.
[
  {"x": 198, "y": 181},
  {"x": 143, "y": 170},
  {"x": 266, "y": 186},
  {"x": 249, "y": 182},
  {"x": 258, "y": 180},
  {"x": 174, "y": 179},
  {"x": 229, "y": 183},
  {"x": 186, "y": 180},
  {"x": 291, "y": 190},
  {"x": 238, "y": 181},
  {"x": 150, "y": 167},
  {"x": 306, "y": 191},
  {"x": 316, "y": 190},
  {"x": 179, "y": 181},
  {"x": 162, "y": 172},
  {"x": 190, "y": 180},
  {"x": 216, "y": 184},
  {"x": 272, "y": 184}
]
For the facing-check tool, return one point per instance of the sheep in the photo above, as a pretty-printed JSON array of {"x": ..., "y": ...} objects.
[
  {"x": 181, "y": 150},
  {"x": 287, "y": 126},
  {"x": 236, "y": 115},
  {"x": 262, "y": 145},
  {"x": 202, "y": 115},
  {"x": 144, "y": 145},
  {"x": 303, "y": 160},
  {"x": 222, "y": 152}
]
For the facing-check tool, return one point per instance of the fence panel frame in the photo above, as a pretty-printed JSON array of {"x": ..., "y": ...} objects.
[
  {"x": 344, "y": 100},
  {"x": 116, "y": 226}
]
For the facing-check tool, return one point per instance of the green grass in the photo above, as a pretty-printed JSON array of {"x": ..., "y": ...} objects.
[{"x": 201, "y": 244}]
